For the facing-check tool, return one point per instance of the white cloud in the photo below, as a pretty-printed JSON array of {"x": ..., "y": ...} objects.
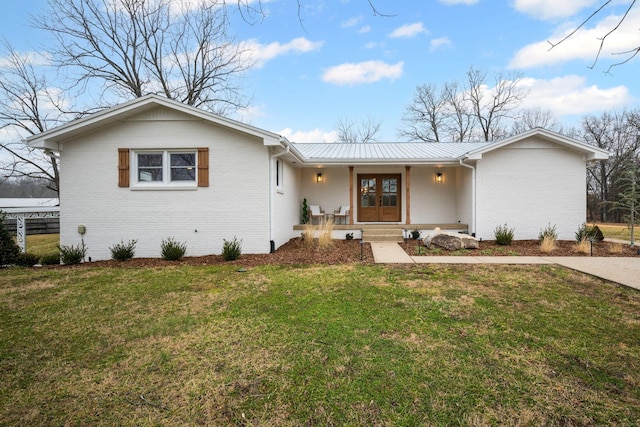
[
  {"x": 352, "y": 22},
  {"x": 261, "y": 53},
  {"x": 371, "y": 45},
  {"x": 570, "y": 95},
  {"x": 551, "y": 9},
  {"x": 248, "y": 114},
  {"x": 363, "y": 72},
  {"x": 439, "y": 43},
  {"x": 454, "y": 2},
  {"x": 316, "y": 135},
  {"x": 408, "y": 30},
  {"x": 583, "y": 44},
  {"x": 364, "y": 30},
  {"x": 34, "y": 59}
]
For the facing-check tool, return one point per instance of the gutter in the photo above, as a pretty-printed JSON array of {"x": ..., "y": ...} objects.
[
  {"x": 272, "y": 191},
  {"x": 473, "y": 196}
]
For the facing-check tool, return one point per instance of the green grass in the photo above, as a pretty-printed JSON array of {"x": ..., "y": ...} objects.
[
  {"x": 43, "y": 244},
  {"x": 345, "y": 345},
  {"x": 618, "y": 231}
]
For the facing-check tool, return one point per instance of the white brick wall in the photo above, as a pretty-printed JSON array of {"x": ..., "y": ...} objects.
[
  {"x": 529, "y": 185},
  {"x": 236, "y": 203}
]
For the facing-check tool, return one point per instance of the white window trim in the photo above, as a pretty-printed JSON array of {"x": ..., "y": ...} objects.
[{"x": 166, "y": 183}]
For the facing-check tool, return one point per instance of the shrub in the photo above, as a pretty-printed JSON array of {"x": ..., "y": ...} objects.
[
  {"x": 172, "y": 250},
  {"x": 415, "y": 234},
  {"x": 587, "y": 232},
  {"x": 549, "y": 231},
  {"x": 50, "y": 259},
  {"x": 123, "y": 251},
  {"x": 503, "y": 234},
  {"x": 27, "y": 259},
  {"x": 231, "y": 249},
  {"x": 9, "y": 251},
  {"x": 70, "y": 255}
]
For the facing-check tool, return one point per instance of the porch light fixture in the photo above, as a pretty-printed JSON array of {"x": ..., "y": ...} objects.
[
  {"x": 319, "y": 178},
  {"x": 439, "y": 177}
]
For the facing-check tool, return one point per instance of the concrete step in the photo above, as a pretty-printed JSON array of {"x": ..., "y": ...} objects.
[{"x": 382, "y": 235}]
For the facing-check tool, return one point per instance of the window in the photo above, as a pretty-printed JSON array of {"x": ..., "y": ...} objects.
[
  {"x": 164, "y": 168},
  {"x": 279, "y": 174}
]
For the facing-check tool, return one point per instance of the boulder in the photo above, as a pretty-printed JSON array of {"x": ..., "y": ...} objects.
[{"x": 450, "y": 241}]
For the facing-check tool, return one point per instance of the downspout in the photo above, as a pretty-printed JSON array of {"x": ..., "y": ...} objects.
[
  {"x": 272, "y": 190},
  {"x": 473, "y": 196}
]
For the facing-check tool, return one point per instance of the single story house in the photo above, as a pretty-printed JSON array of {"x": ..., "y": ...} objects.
[{"x": 153, "y": 168}]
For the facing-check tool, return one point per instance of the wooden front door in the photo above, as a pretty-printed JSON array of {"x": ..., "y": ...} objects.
[{"x": 379, "y": 199}]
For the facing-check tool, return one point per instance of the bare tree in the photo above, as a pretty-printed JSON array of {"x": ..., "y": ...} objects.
[
  {"x": 366, "y": 130},
  {"x": 491, "y": 107},
  {"x": 629, "y": 54},
  {"x": 535, "y": 118},
  {"x": 617, "y": 133},
  {"x": 28, "y": 106},
  {"x": 459, "y": 113},
  {"x": 424, "y": 118},
  {"x": 136, "y": 47}
]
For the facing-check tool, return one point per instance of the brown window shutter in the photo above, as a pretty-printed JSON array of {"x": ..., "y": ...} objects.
[
  {"x": 203, "y": 167},
  {"x": 123, "y": 167}
]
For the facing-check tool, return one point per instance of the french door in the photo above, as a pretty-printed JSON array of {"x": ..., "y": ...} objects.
[{"x": 379, "y": 199}]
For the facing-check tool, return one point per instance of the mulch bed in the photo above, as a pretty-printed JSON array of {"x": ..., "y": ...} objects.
[
  {"x": 525, "y": 248},
  {"x": 352, "y": 251}
]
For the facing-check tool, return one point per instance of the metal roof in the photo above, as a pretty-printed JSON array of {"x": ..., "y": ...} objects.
[{"x": 420, "y": 152}]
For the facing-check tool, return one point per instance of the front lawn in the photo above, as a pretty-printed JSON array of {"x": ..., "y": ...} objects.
[{"x": 319, "y": 345}]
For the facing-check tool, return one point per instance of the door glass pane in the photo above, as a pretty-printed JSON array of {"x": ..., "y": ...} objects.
[
  {"x": 390, "y": 192},
  {"x": 367, "y": 192}
]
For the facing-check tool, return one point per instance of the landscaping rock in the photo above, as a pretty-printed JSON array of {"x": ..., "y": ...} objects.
[{"x": 450, "y": 241}]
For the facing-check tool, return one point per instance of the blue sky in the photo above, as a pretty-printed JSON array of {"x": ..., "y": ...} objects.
[{"x": 341, "y": 61}]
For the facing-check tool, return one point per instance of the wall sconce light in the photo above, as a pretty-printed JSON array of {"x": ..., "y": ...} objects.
[
  {"x": 439, "y": 178},
  {"x": 319, "y": 178}
]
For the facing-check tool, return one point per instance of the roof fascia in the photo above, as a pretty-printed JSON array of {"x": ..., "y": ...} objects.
[{"x": 592, "y": 153}]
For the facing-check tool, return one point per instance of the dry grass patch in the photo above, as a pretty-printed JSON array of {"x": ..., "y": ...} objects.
[
  {"x": 548, "y": 244},
  {"x": 616, "y": 248},
  {"x": 583, "y": 246}
]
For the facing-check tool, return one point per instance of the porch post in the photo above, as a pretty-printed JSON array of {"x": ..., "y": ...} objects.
[
  {"x": 350, "y": 194},
  {"x": 408, "y": 190}
]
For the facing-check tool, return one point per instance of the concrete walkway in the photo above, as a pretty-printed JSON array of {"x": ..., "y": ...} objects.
[{"x": 622, "y": 270}]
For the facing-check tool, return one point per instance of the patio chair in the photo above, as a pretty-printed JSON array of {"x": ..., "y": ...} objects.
[
  {"x": 342, "y": 214},
  {"x": 316, "y": 212}
]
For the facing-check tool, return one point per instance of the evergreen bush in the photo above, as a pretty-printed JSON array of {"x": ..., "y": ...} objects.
[
  {"x": 27, "y": 259},
  {"x": 587, "y": 232},
  {"x": 50, "y": 259},
  {"x": 70, "y": 255},
  {"x": 123, "y": 251},
  {"x": 231, "y": 249},
  {"x": 9, "y": 251},
  {"x": 503, "y": 234},
  {"x": 172, "y": 250},
  {"x": 549, "y": 232}
]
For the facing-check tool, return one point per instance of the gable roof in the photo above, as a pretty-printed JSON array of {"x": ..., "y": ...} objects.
[
  {"x": 50, "y": 139},
  {"x": 591, "y": 152}
]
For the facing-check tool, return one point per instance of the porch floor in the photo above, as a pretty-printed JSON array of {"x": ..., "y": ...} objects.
[{"x": 393, "y": 226}]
